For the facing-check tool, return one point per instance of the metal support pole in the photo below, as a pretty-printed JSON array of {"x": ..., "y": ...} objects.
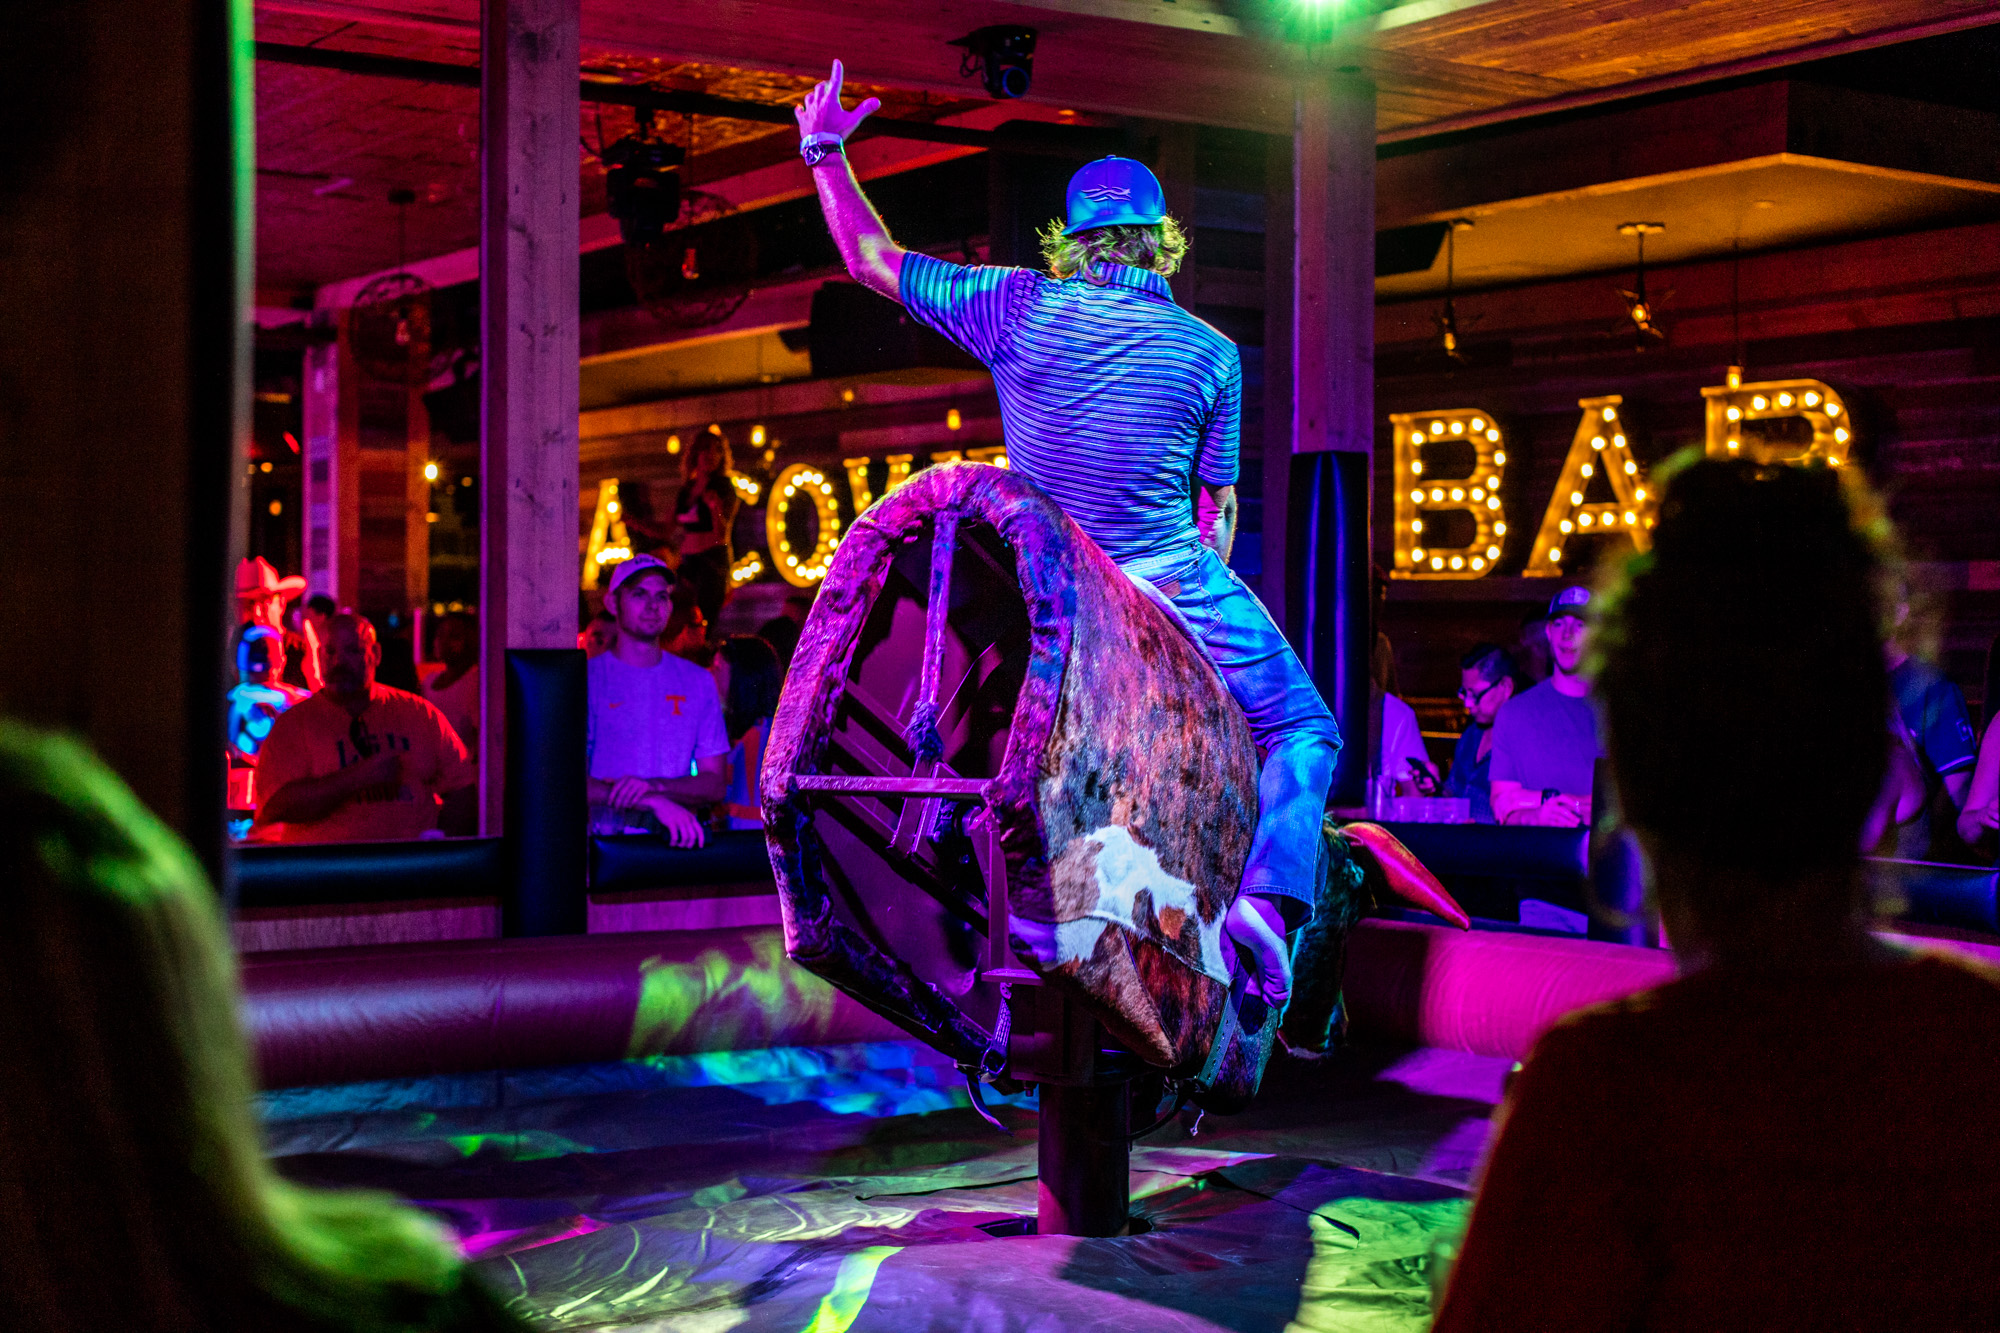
[{"x": 1084, "y": 1158}]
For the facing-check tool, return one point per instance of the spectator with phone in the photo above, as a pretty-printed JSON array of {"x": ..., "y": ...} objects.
[
  {"x": 1485, "y": 682},
  {"x": 1545, "y": 741}
]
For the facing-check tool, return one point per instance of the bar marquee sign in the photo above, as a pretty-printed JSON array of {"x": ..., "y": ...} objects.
[{"x": 1450, "y": 517}]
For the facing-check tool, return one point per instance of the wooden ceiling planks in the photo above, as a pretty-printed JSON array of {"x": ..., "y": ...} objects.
[{"x": 1437, "y": 63}]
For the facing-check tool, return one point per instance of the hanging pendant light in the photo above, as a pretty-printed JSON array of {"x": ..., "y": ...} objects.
[
  {"x": 1641, "y": 312},
  {"x": 1447, "y": 319}
]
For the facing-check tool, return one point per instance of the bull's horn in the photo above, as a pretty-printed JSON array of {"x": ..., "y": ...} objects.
[{"x": 1406, "y": 874}]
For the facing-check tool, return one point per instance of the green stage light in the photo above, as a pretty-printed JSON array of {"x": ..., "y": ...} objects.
[{"x": 1317, "y": 21}]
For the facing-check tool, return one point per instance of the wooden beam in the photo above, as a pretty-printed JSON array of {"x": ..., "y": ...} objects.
[
  {"x": 1277, "y": 442},
  {"x": 124, "y": 355},
  {"x": 529, "y": 124},
  {"x": 1333, "y": 264}
]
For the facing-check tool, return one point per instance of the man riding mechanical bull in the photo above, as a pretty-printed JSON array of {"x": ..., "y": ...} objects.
[{"x": 1112, "y": 396}]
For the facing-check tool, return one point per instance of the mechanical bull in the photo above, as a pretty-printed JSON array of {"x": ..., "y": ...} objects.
[{"x": 1008, "y": 803}]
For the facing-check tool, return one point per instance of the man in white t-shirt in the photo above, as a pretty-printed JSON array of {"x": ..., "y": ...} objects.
[{"x": 657, "y": 744}]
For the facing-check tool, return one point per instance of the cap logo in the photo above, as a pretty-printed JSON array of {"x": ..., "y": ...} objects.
[{"x": 1104, "y": 194}]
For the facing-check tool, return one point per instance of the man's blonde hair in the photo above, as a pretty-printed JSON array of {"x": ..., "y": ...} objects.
[{"x": 1158, "y": 248}]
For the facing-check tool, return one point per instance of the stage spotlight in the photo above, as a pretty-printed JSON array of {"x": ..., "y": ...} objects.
[{"x": 1003, "y": 56}]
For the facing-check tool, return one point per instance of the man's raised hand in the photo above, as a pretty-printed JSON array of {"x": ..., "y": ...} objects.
[{"x": 821, "y": 113}]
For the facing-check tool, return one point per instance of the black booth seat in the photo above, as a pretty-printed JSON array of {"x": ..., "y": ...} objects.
[
  {"x": 626, "y": 863},
  {"x": 1931, "y": 893},
  {"x": 332, "y": 873}
]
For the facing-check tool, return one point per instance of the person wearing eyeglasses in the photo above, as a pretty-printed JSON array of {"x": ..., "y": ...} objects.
[
  {"x": 1486, "y": 681},
  {"x": 360, "y": 761},
  {"x": 1545, "y": 741}
]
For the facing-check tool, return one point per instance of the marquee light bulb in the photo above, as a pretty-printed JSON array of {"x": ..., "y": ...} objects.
[
  {"x": 1417, "y": 467},
  {"x": 1833, "y": 409},
  {"x": 1639, "y": 494},
  {"x": 1492, "y": 502},
  {"x": 1493, "y": 437},
  {"x": 1588, "y": 470},
  {"x": 1478, "y": 494},
  {"x": 1417, "y": 555},
  {"x": 1576, "y": 497},
  {"x": 1759, "y": 403},
  {"x": 1457, "y": 428},
  {"x": 1500, "y": 528},
  {"x": 1631, "y": 517},
  {"x": 1784, "y": 400},
  {"x": 1478, "y": 424},
  {"x": 1437, "y": 562},
  {"x": 1631, "y": 468},
  {"x": 1477, "y": 563},
  {"x": 1840, "y": 433},
  {"x": 1597, "y": 442},
  {"x": 1437, "y": 493},
  {"x": 1609, "y": 414},
  {"x": 1416, "y": 437},
  {"x": 1566, "y": 526},
  {"x": 1416, "y": 497},
  {"x": 1499, "y": 456},
  {"x": 1416, "y": 525},
  {"x": 1555, "y": 553},
  {"x": 1583, "y": 519},
  {"x": 1458, "y": 492},
  {"x": 1437, "y": 428},
  {"x": 1811, "y": 399},
  {"x": 1618, "y": 440},
  {"x": 1734, "y": 413},
  {"x": 1492, "y": 553}
]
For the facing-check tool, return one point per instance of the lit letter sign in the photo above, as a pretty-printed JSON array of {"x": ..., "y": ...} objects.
[
  {"x": 796, "y": 480},
  {"x": 1736, "y": 409},
  {"x": 1447, "y": 477},
  {"x": 608, "y": 543},
  {"x": 1599, "y": 446}
]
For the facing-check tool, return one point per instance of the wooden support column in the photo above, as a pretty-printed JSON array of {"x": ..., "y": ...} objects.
[
  {"x": 1278, "y": 282},
  {"x": 1333, "y": 264},
  {"x": 125, "y": 191},
  {"x": 1332, "y": 355},
  {"x": 529, "y": 118},
  {"x": 332, "y": 466}
]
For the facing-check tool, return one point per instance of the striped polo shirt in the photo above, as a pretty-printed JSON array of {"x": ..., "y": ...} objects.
[{"x": 1110, "y": 395}]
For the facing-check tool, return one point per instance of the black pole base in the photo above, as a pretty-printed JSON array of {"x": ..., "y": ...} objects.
[{"x": 1085, "y": 1162}]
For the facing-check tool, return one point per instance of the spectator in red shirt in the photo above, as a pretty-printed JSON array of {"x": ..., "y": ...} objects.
[
  {"x": 360, "y": 761},
  {"x": 1798, "y": 1133}
]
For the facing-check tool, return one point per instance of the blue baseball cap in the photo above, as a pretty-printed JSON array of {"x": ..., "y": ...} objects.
[
  {"x": 1569, "y": 602},
  {"x": 1114, "y": 192}
]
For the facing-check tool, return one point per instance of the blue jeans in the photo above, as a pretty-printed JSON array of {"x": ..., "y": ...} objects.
[{"x": 1286, "y": 715}]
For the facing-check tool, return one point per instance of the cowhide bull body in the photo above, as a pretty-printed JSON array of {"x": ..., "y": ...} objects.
[{"x": 1008, "y": 800}]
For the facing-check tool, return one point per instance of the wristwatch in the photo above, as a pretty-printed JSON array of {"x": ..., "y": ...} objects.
[{"x": 814, "y": 147}]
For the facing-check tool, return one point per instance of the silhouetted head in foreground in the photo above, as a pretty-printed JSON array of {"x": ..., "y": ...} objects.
[
  {"x": 1740, "y": 670},
  {"x": 134, "y": 1194}
]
